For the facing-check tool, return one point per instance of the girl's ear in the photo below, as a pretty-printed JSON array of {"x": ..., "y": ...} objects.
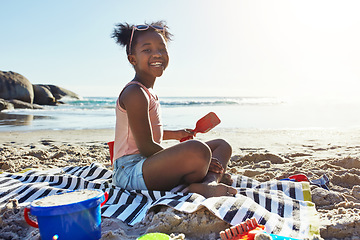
[{"x": 132, "y": 59}]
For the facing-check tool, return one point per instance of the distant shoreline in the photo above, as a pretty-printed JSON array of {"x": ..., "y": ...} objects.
[{"x": 183, "y": 112}]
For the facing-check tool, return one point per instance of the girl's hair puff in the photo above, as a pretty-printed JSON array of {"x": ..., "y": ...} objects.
[{"x": 122, "y": 33}]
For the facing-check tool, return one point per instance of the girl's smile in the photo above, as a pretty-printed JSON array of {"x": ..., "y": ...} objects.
[{"x": 150, "y": 57}]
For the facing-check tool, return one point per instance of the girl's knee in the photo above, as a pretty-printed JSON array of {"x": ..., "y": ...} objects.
[
  {"x": 223, "y": 144},
  {"x": 198, "y": 150},
  {"x": 196, "y": 160}
]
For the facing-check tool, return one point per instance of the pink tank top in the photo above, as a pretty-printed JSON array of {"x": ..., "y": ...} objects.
[{"x": 124, "y": 140}]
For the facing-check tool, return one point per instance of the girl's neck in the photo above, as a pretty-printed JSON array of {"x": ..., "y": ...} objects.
[{"x": 147, "y": 82}]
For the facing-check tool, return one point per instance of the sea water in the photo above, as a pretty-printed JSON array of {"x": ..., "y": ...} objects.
[{"x": 183, "y": 112}]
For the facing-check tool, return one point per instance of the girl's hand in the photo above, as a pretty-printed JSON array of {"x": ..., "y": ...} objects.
[
  {"x": 185, "y": 133},
  {"x": 178, "y": 134},
  {"x": 215, "y": 166}
]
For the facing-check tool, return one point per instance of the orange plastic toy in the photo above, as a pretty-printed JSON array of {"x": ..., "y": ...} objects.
[
  {"x": 246, "y": 230},
  {"x": 205, "y": 124}
]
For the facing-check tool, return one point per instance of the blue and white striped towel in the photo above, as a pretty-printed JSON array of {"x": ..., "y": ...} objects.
[{"x": 284, "y": 207}]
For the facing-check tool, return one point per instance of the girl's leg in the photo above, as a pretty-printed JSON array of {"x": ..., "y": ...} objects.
[
  {"x": 187, "y": 162},
  {"x": 222, "y": 151}
]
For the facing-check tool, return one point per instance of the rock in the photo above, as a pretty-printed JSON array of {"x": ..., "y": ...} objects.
[
  {"x": 43, "y": 96},
  {"x": 4, "y": 105},
  {"x": 15, "y": 86},
  {"x": 21, "y": 104},
  {"x": 59, "y": 92}
]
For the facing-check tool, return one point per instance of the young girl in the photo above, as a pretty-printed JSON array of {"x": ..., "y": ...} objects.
[{"x": 141, "y": 163}]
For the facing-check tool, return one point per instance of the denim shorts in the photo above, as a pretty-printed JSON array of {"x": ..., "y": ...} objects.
[{"x": 128, "y": 173}]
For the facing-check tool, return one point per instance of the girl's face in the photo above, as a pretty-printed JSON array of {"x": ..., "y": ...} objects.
[{"x": 150, "y": 57}]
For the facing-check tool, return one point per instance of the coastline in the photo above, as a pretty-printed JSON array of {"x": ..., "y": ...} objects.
[
  {"x": 317, "y": 141},
  {"x": 58, "y": 136},
  {"x": 256, "y": 154}
]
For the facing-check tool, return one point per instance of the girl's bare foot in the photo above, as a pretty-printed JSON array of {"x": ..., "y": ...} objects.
[
  {"x": 226, "y": 179},
  {"x": 212, "y": 189}
]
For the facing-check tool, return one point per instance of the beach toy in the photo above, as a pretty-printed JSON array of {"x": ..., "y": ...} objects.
[
  {"x": 204, "y": 124},
  {"x": 154, "y": 236},
  {"x": 69, "y": 215},
  {"x": 247, "y": 230},
  {"x": 321, "y": 182},
  {"x": 299, "y": 178},
  {"x": 111, "y": 149}
]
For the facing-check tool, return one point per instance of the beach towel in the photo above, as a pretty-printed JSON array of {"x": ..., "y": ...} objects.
[{"x": 284, "y": 207}]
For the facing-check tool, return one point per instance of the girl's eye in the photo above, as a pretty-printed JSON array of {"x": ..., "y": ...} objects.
[{"x": 148, "y": 50}]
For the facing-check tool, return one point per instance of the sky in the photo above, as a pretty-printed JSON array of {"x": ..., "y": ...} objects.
[{"x": 305, "y": 49}]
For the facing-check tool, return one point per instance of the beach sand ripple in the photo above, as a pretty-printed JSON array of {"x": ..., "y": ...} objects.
[{"x": 262, "y": 155}]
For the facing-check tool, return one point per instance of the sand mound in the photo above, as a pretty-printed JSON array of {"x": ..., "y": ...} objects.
[{"x": 338, "y": 209}]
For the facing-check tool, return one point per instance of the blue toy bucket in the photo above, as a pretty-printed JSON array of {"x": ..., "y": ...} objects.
[{"x": 75, "y": 220}]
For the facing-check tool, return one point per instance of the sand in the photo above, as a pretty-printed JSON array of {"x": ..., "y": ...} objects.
[
  {"x": 67, "y": 198},
  {"x": 259, "y": 154}
]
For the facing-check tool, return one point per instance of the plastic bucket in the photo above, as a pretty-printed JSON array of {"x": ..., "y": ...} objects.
[{"x": 76, "y": 220}]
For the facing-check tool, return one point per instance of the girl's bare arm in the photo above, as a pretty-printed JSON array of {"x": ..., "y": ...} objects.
[
  {"x": 136, "y": 102},
  {"x": 177, "y": 134}
]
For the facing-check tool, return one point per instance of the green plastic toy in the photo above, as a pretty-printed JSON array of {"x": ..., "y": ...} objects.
[{"x": 154, "y": 236}]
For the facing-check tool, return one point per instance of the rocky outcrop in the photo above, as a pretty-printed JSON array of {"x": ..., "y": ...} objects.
[
  {"x": 15, "y": 86},
  {"x": 51, "y": 94},
  {"x": 21, "y": 104},
  {"x": 43, "y": 96},
  {"x": 59, "y": 92},
  {"x": 5, "y": 105},
  {"x": 18, "y": 92}
]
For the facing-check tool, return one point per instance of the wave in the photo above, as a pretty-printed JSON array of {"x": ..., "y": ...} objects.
[
  {"x": 217, "y": 101},
  {"x": 90, "y": 103},
  {"x": 110, "y": 102},
  {"x": 99, "y": 104}
]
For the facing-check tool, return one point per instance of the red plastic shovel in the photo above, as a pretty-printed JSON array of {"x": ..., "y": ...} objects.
[
  {"x": 204, "y": 124},
  {"x": 111, "y": 150}
]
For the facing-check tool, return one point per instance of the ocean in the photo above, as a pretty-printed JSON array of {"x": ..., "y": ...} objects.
[{"x": 183, "y": 112}]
